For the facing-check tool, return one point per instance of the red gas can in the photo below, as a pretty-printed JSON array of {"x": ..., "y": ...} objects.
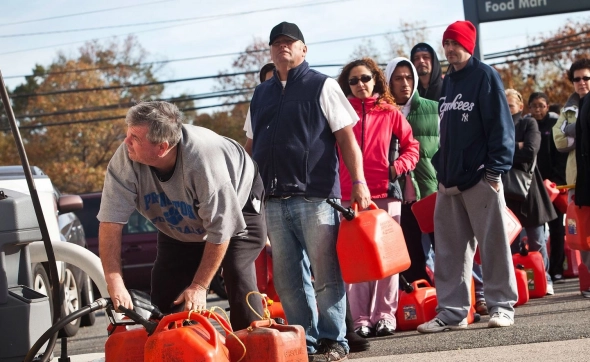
[
  {"x": 571, "y": 262},
  {"x": 535, "y": 270},
  {"x": 172, "y": 341},
  {"x": 423, "y": 210},
  {"x": 125, "y": 343},
  {"x": 371, "y": 246},
  {"x": 267, "y": 341},
  {"x": 417, "y": 305},
  {"x": 561, "y": 201},
  {"x": 521, "y": 284},
  {"x": 584, "y": 277},
  {"x": 552, "y": 191},
  {"x": 577, "y": 227},
  {"x": 275, "y": 308}
]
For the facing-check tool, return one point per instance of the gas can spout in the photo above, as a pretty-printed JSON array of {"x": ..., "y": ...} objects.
[{"x": 347, "y": 213}]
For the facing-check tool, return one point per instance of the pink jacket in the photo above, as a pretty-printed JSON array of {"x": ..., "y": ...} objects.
[{"x": 373, "y": 133}]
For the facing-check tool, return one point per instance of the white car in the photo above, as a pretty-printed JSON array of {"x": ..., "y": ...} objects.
[{"x": 63, "y": 225}]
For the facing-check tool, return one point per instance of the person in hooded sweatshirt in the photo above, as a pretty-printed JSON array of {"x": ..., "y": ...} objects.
[
  {"x": 373, "y": 304},
  {"x": 422, "y": 114},
  {"x": 427, "y": 65},
  {"x": 476, "y": 148}
]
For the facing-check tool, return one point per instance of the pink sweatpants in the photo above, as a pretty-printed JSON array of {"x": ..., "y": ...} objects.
[{"x": 373, "y": 301}]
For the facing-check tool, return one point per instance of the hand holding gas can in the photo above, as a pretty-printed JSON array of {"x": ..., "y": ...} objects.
[{"x": 194, "y": 298}]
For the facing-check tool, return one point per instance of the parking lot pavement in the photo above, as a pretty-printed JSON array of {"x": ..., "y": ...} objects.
[
  {"x": 563, "y": 320},
  {"x": 552, "y": 328}
]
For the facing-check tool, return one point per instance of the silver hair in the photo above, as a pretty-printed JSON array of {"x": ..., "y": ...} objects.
[{"x": 163, "y": 119}]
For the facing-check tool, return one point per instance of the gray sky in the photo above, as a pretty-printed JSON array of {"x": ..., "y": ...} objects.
[{"x": 228, "y": 26}]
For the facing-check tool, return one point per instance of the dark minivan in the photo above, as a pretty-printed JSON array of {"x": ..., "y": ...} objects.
[{"x": 138, "y": 246}]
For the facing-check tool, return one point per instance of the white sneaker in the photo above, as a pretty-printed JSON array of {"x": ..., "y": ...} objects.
[
  {"x": 586, "y": 293},
  {"x": 437, "y": 325},
  {"x": 550, "y": 290},
  {"x": 500, "y": 319}
]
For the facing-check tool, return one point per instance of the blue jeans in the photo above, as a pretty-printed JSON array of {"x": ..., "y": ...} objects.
[{"x": 303, "y": 233}]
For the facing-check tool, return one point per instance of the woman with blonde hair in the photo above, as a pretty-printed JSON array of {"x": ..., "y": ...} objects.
[{"x": 536, "y": 209}]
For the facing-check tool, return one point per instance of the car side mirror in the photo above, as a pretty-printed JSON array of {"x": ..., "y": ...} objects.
[{"x": 69, "y": 203}]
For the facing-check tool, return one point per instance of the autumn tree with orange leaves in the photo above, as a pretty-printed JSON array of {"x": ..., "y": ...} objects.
[
  {"x": 74, "y": 144},
  {"x": 543, "y": 66}
]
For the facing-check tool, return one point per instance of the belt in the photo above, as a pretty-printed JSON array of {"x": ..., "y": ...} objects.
[{"x": 279, "y": 197}]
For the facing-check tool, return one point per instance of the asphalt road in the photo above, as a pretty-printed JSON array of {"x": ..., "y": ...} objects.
[{"x": 555, "y": 328}]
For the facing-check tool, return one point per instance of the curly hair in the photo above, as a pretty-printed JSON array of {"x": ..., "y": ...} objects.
[
  {"x": 583, "y": 63},
  {"x": 380, "y": 84}
]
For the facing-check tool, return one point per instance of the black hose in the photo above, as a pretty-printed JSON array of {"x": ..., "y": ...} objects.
[{"x": 98, "y": 304}]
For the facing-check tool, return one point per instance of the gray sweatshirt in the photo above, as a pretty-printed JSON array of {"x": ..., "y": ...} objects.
[{"x": 203, "y": 199}]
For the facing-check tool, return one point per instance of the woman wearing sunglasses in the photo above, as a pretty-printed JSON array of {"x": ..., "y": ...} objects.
[
  {"x": 381, "y": 131},
  {"x": 564, "y": 131}
]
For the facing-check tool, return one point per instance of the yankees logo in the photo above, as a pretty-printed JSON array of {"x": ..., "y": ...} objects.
[
  {"x": 465, "y": 117},
  {"x": 456, "y": 104}
]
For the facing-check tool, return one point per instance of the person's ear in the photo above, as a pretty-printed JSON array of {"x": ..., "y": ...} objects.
[{"x": 163, "y": 148}]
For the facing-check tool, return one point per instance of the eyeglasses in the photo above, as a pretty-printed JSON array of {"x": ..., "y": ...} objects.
[
  {"x": 364, "y": 78},
  {"x": 577, "y": 79}
]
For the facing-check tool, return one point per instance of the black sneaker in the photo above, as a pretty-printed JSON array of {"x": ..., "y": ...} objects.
[
  {"x": 357, "y": 343},
  {"x": 384, "y": 328},
  {"x": 558, "y": 278},
  {"x": 329, "y": 351}
]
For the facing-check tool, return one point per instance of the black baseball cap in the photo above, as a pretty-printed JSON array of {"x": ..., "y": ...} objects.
[{"x": 288, "y": 29}]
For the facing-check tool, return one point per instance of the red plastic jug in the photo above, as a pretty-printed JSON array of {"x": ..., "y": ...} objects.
[
  {"x": 513, "y": 229},
  {"x": 274, "y": 308},
  {"x": 261, "y": 266},
  {"x": 584, "y": 276},
  {"x": 532, "y": 261},
  {"x": 125, "y": 343},
  {"x": 268, "y": 341},
  {"x": 571, "y": 262},
  {"x": 200, "y": 342},
  {"x": 423, "y": 210},
  {"x": 521, "y": 284},
  {"x": 371, "y": 246},
  {"x": 417, "y": 305},
  {"x": 577, "y": 227},
  {"x": 561, "y": 201},
  {"x": 552, "y": 191}
]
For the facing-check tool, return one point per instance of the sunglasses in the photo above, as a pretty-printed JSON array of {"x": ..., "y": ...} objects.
[
  {"x": 364, "y": 78},
  {"x": 577, "y": 79}
]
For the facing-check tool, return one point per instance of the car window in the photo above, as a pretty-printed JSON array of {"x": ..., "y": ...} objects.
[
  {"x": 137, "y": 224},
  {"x": 88, "y": 218}
]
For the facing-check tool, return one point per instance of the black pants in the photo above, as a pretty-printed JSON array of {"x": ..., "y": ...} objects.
[
  {"x": 177, "y": 262},
  {"x": 557, "y": 234},
  {"x": 413, "y": 237}
]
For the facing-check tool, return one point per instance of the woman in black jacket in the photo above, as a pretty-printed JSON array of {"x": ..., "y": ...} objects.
[
  {"x": 536, "y": 209},
  {"x": 582, "y": 197},
  {"x": 551, "y": 164}
]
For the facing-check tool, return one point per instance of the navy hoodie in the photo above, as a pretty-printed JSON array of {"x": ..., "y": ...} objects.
[{"x": 476, "y": 128}]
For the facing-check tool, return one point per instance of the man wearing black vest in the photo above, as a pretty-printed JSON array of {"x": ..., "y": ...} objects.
[{"x": 293, "y": 125}]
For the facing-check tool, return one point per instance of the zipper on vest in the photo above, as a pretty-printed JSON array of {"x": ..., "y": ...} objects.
[
  {"x": 363, "y": 127},
  {"x": 274, "y": 181}
]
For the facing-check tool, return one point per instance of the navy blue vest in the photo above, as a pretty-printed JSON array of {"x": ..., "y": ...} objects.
[{"x": 293, "y": 143}]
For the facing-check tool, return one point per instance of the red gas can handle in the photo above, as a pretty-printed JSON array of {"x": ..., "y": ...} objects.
[
  {"x": 355, "y": 207},
  {"x": 423, "y": 283},
  {"x": 197, "y": 317}
]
